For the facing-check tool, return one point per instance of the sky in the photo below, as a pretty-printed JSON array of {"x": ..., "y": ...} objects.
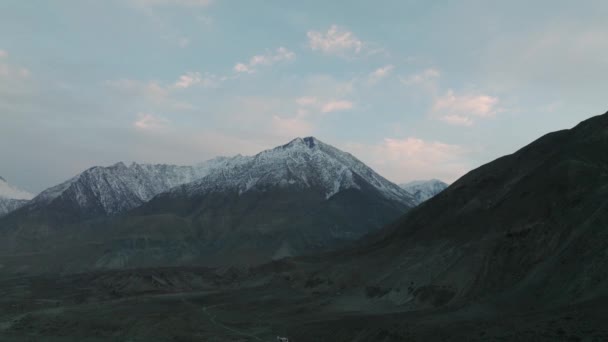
[{"x": 415, "y": 89}]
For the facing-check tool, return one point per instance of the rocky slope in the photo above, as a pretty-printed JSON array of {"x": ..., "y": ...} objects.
[{"x": 524, "y": 234}]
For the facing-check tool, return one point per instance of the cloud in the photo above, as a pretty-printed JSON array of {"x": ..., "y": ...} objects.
[
  {"x": 3, "y": 54},
  {"x": 188, "y": 80},
  {"x": 336, "y": 41},
  {"x": 325, "y": 94},
  {"x": 422, "y": 78},
  {"x": 269, "y": 58},
  {"x": 183, "y": 3},
  {"x": 412, "y": 158},
  {"x": 464, "y": 109},
  {"x": 458, "y": 110},
  {"x": 240, "y": 67},
  {"x": 380, "y": 73},
  {"x": 335, "y": 106},
  {"x": 149, "y": 122},
  {"x": 192, "y": 78}
]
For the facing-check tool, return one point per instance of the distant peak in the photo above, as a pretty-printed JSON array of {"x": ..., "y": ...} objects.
[{"x": 3, "y": 180}]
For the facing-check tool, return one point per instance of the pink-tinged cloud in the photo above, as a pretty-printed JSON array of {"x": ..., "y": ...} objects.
[
  {"x": 240, "y": 67},
  {"x": 188, "y": 80},
  {"x": 336, "y": 41},
  {"x": 403, "y": 160},
  {"x": 150, "y": 123},
  {"x": 464, "y": 109},
  {"x": 380, "y": 73},
  {"x": 281, "y": 54},
  {"x": 3, "y": 54},
  {"x": 191, "y": 79}
]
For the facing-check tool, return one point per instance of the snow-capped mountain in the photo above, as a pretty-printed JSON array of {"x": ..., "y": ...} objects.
[
  {"x": 115, "y": 189},
  {"x": 297, "y": 198},
  {"x": 12, "y": 198},
  {"x": 302, "y": 163},
  {"x": 423, "y": 190}
]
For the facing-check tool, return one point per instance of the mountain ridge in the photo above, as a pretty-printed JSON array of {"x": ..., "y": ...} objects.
[
  {"x": 333, "y": 170},
  {"x": 296, "y": 198}
]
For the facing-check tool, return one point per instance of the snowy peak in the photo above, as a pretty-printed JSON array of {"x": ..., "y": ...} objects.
[
  {"x": 423, "y": 190},
  {"x": 8, "y": 191},
  {"x": 304, "y": 163},
  {"x": 117, "y": 188}
]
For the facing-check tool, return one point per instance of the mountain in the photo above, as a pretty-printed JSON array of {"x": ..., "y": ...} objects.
[
  {"x": 297, "y": 198},
  {"x": 109, "y": 191},
  {"x": 515, "y": 250},
  {"x": 11, "y": 198},
  {"x": 303, "y": 164},
  {"x": 423, "y": 190}
]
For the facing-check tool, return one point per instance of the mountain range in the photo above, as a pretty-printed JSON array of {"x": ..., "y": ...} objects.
[
  {"x": 297, "y": 198},
  {"x": 514, "y": 250},
  {"x": 113, "y": 190}
]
